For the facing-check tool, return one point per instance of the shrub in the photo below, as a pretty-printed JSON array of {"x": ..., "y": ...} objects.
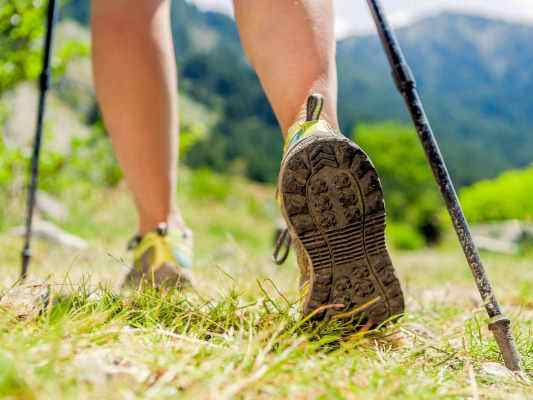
[
  {"x": 405, "y": 237},
  {"x": 505, "y": 197}
]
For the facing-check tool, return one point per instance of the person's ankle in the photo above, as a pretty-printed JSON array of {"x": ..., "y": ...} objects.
[
  {"x": 173, "y": 221},
  {"x": 303, "y": 115}
]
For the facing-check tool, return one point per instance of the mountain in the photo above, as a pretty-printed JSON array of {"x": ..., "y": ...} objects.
[
  {"x": 472, "y": 72},
  {"x": 475, "y": 79}
]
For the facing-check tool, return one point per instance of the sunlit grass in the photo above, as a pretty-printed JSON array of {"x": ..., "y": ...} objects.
[
  {"x": 239, "y": 334},
  {"x": 95, "y": 341}
]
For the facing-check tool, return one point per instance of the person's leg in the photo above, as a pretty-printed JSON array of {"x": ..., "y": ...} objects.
[
  {"x": 135, "y": 79},
  {"x": 329, "y": 191},
  {"x": 291, "y": 45}
]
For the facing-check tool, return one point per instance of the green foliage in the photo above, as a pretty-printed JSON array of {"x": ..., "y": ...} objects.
[
  {"x": 70, "y": 50},
  {"x": 90, "y": 164},
  {"x": 11, "y": 383},
  {"x": 405, "y": 237},
  {"x": 11, "y": 165},
  {"x": 245, "y": 146},
  {"x": 92, "y": 161},
  {"x": 505, "y": 197},
  {"x": 204, "y": 184},
  {"x": 10, "y": 161},
  {"x": 409, "y": 189},
  {"x": 189, "y": 136},
  {"x": 22, "y": 25}
]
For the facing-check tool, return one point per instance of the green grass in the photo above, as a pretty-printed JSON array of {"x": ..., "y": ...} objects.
[{"x": 238, "y": 334}]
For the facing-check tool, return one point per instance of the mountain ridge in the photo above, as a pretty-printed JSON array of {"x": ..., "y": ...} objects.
[{"x": 474, "y": 86}]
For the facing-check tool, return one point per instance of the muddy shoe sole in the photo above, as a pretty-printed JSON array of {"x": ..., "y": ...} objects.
[{"x": 332, "y": 200}]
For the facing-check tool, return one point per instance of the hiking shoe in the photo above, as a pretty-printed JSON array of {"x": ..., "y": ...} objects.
[
  {"x": 331, "y": 199},
  {"x": 161, "y": 259}
]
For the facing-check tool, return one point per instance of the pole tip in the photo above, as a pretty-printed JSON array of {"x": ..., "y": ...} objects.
[
  {"x": 501, "y": 329},
  {"x": 26, "y": 257}
]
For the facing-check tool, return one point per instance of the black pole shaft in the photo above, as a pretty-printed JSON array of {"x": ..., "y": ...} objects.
[
  {"x": 406, "y": 85},
  {"x": 44, "y": 83}
]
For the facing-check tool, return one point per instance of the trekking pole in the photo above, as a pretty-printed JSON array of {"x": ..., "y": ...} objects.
[
  {"x": 499, "y": 324},
  {"x": 44, "y": 82}
]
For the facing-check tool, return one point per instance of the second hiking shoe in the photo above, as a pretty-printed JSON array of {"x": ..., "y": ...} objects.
[{"x": 161, "y": 259}]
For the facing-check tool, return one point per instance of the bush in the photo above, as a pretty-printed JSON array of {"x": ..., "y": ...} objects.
[
  {"x": 505, "y": 197},
  {"x": 206, "y": 184},
  {"x": 92, "y": 160},
  {"x": 405, "y": 237},
  {"x": 12, "y": 165}
]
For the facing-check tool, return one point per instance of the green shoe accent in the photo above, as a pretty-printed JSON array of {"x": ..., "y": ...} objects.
[
  {"x": 312, "y": 124},
  {"x": 301, "y": 130}
]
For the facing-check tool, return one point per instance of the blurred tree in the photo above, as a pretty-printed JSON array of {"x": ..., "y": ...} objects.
[
  {"x": 240, "y": 146},
  {"x": 21, "y": 28},
  {"x": 410, "y": 192},
  {"x": 22, "y": 25}
]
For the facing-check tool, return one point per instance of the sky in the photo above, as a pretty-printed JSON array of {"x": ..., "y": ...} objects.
[{"x": 353, "y": 17}]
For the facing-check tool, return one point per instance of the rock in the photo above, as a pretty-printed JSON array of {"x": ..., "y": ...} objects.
[
  {"x": 496, "y": 245},
  {"x": 26, "y": 301},
  {"x": 496, "y": 370},
  {"x": 99, "y": 366},
  {"x": 51, "y": 207},
  {"x": 62, "y": 123},
  {"x": 503, "y": 237},
  {"x": 48, "y": 231}
]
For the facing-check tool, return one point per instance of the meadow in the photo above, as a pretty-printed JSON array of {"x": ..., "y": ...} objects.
[{"x": 238, "y": 333}]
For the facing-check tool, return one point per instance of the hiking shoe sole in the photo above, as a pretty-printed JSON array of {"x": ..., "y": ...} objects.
[{"x": 332, "y": 200}]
